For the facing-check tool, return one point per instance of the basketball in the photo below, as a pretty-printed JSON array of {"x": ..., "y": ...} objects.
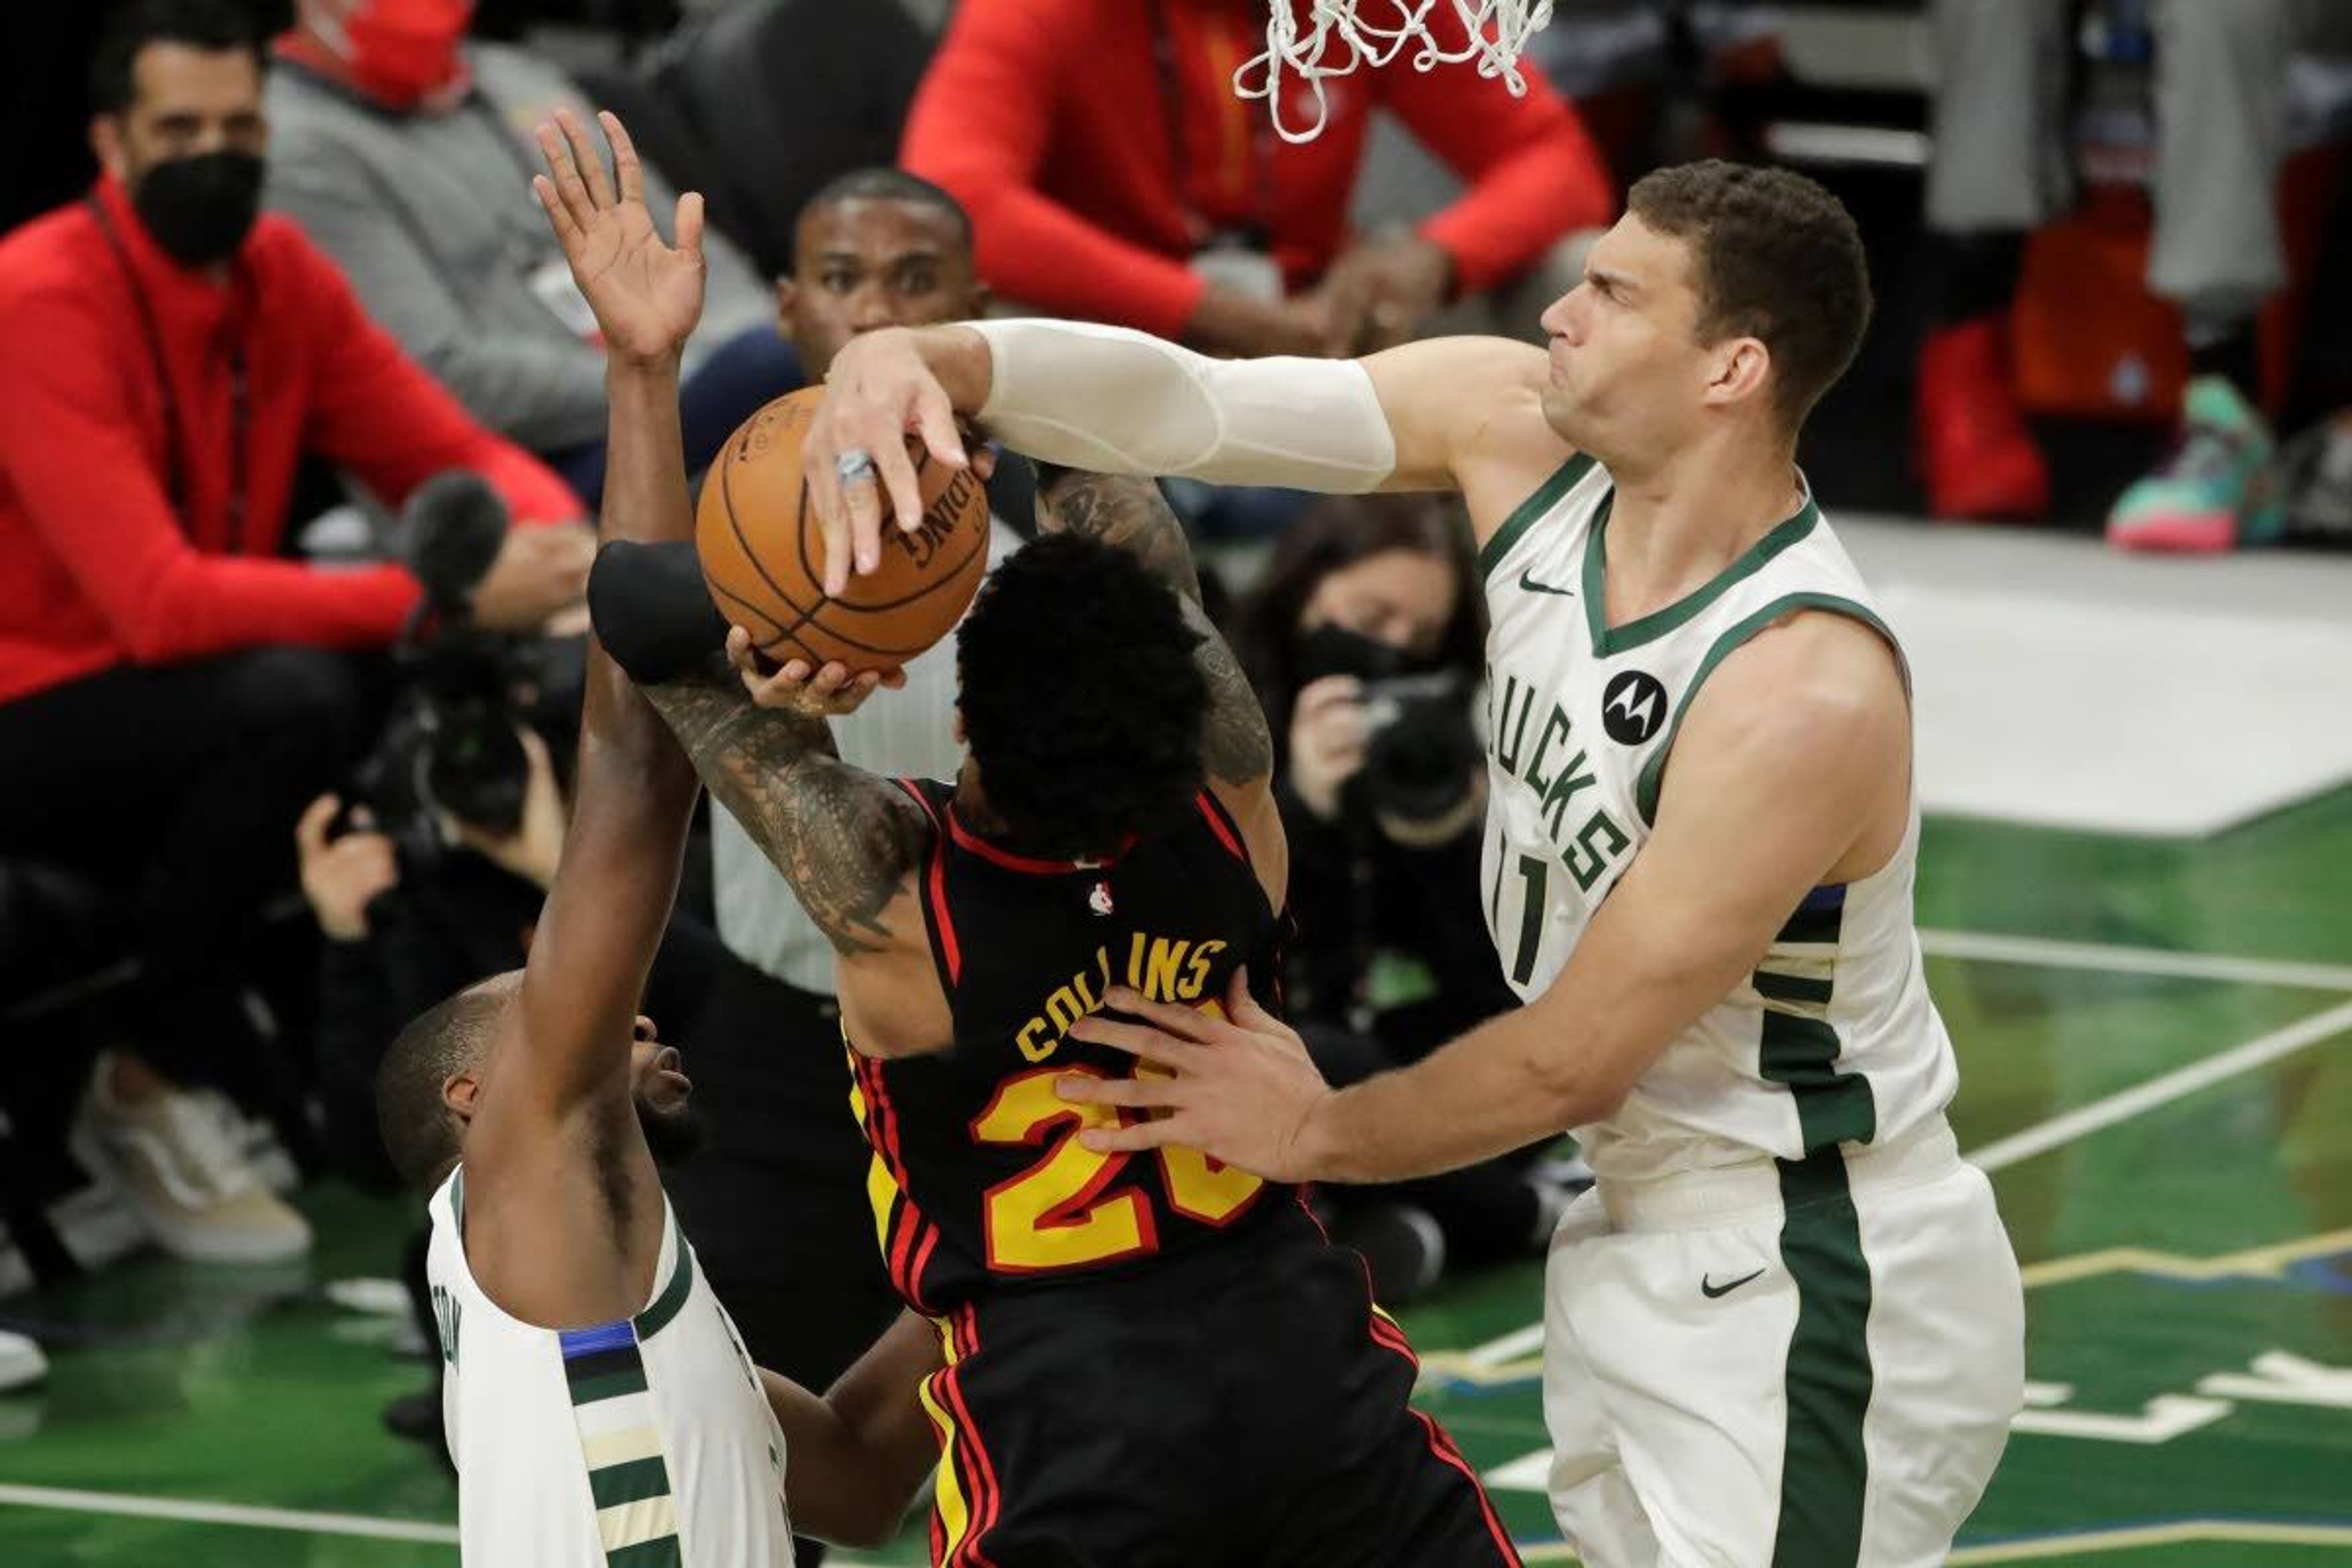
[{"x": 763, "y": 553}]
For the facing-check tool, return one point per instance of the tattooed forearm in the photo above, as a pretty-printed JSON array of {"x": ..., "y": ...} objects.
[
  {"x": 1127, "y": 512},
  {"x": 847, "y": 841},
  {"x": 1131, "y": 514},
  {"x": 1235, "y": 746}
]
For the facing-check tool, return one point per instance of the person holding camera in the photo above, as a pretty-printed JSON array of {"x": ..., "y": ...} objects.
[
  {"x": 172, "y": 687},
  {"x": 1364, "y": 641}
]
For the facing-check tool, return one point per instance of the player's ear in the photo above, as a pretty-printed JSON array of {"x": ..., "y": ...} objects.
[
  {"x": 787, "y": 292},
  {"x": 955, "y": 724},
  {"x": 458, "y": 1093},
  {"x": 1737, "y": 371}
]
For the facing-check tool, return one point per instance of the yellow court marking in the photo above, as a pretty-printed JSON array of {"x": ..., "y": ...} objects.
[{"x": 2268, "y": 1261}]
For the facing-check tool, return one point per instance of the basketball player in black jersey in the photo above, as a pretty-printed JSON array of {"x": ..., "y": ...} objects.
[
  {"x": 1146, "y": 1360},
  {"x": 1153, "y": 1361}
]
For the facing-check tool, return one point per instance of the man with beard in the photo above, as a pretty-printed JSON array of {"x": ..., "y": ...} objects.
[
  {"x": 533, "y": 1106},
  {"x": 171, "y": 687}
]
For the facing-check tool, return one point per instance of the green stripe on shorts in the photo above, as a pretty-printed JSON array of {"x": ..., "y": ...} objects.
[{"x": 1824, "y": 1471}]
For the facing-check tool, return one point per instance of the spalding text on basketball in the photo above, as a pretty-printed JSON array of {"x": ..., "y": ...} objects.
[{"x": 939, "y": 520}]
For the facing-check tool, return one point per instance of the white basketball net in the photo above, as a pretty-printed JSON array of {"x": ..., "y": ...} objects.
[{"x": 1335, "y": 41}]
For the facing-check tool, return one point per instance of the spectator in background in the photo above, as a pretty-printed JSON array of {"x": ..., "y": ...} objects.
[
  {"x": 1365, "y": 643},
  {"x": 171, "y": 690},
  {"x": 1112, "y": 176},
  {"x": 404, "y": 150},
  {"x": 776, "y": 1199},
  {"x": 2002, "y": 164}
]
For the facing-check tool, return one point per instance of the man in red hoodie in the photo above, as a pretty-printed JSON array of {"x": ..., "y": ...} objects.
[
  {"x": 1112, "y": 176},
  {"x": 171, "y": 687}
]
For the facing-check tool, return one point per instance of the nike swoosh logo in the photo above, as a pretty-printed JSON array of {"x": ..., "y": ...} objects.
[
  {"x": 1711, "y": 1289},
  {"x": 1532, "y": 587}
]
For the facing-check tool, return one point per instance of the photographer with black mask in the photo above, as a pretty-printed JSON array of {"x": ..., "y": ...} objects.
[{"x": 1365, "y": 643}]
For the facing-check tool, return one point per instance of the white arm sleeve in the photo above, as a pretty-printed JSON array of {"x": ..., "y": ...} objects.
[{"x": 1121, "y": 402}]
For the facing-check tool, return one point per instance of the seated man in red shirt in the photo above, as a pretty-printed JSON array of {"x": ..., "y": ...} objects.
[
  {"x": 1112, "y": 176},
  {"x": 172, "y": 687}
]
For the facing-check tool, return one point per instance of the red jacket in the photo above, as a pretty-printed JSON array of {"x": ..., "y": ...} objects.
[
  {"x": 96, "y": 568},
  {"x": 1047, "y": 120}
]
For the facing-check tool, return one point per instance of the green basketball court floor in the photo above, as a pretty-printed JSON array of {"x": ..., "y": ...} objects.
[{"x": 2156, "y": 1046}]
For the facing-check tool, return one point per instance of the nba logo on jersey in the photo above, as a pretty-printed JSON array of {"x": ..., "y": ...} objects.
[{"x": 1098, "y": 898}]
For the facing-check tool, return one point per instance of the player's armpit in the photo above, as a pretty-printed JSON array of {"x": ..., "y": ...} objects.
[
  {"x": 849, "y": 843},
  {"x": 855, "y": 1459},
  {"x": 1466, "y": 415}
]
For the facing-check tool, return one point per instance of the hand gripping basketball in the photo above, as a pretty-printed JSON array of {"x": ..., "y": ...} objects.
[
  {"x": 773, "y": 571},
  {"x": 799, "y": 688},
  {"x": 878, "y": 393}
]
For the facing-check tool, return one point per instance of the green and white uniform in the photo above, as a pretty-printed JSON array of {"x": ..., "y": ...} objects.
[
  {"x": 645, "y": 1443},
  {"x": 1786, "y": 1292}
]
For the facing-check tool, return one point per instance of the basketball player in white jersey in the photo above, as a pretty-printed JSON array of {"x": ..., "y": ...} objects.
[
  {"x": 600, "y": 1407},
  {"x": 1786, "y": 1326}
]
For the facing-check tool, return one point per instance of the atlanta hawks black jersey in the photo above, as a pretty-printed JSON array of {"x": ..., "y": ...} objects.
[{"x": 979, "y": 1180}]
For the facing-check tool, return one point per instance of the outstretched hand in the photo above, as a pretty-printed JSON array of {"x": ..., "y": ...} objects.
[
  {"x": 646, "y": 293},
  {"x": 1240, "y": 1089}
]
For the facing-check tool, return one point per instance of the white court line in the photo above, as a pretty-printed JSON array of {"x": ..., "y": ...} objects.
[
  {"x": 2041, "y": 953},
  {"x": 197, "y": 1512},
  {"x": 1979, "y": 945},
  {"x": 190, "y": 1512},
  {"x": 2162, "y": 1091}
]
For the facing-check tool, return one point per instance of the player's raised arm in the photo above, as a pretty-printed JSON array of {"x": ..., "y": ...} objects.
[
  {"x": 847, "y": 841},
  {"x": 635, "y": 791},
  {"x": 1121, "y": 402}
]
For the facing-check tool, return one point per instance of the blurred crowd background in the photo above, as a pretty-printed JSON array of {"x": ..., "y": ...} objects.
[{"x": 301, "y": 438}]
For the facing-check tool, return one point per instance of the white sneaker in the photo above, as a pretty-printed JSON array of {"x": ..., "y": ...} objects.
[
  {"x": 180, "y": 1170},
  {"x": 21, "y": 1361},
  {"x": 255, "y": 1137}
]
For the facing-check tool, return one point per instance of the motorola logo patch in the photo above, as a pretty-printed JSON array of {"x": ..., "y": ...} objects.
[{"x": 1632, "y": 707}]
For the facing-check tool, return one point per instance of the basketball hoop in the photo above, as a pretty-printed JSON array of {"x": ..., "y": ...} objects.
[{"x": 1336, "y": 41}]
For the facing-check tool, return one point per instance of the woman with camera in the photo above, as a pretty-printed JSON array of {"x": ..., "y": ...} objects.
[{"x": 1365, "y": 643}]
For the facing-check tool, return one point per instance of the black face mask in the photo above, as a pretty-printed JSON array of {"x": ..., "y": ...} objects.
[
  {"x": 1334, "y": 649},
  {"x": 200, "y": 209}
]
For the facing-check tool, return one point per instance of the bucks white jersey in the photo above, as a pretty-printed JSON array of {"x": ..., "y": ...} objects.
[
  {"x": 1833, "y": 1039},
  {"x": 647, "y": 1443}
]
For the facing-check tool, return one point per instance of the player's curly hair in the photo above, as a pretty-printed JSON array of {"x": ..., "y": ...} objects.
[
  {"x": 1081, "y": 701},
  {"x": 418, "y": 1131}
]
